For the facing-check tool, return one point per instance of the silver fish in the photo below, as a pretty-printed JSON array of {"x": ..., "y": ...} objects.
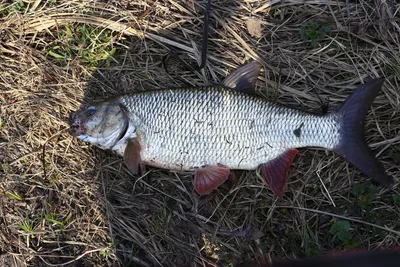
[{"x": 216, "y": 129}]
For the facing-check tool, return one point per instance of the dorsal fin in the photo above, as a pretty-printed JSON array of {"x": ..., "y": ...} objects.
[{"x": 244, "y": 78}]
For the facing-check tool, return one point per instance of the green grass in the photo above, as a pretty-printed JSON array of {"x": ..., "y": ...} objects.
[
  {"x": 396, "y": 200},
  {"x": 52, "y": 218},
  {"x": 310, "y": 241},
  {"x": 366, "y": 194},
  {"x": 341, "y": 230},
  {"x": 107, "y": 252},
  {"x": 367, "y": 203},
  {"x": 9, "y": 7},
  {"x": 159, "y": 218},
  {"x": 87, "y": 44},
  {"x": 27, "y": 226},
  {"x": 14, "y": 195},
  {"x": 313, "y": 33}
]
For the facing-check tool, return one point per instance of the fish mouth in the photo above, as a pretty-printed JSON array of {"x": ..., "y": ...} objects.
[{"x": 75, "y": 125}]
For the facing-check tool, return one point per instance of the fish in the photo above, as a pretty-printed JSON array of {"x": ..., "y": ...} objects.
[{"x": 211, "y": 131}]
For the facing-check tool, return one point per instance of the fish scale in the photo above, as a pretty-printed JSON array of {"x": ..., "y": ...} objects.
[{"x": 186, "y": 129}]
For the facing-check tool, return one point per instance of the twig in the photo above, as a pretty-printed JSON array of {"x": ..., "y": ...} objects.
[
  {"x": 341, "y": 217},
  {"x": 204, "y": 42},
  {"x": 71, "y": 261}
]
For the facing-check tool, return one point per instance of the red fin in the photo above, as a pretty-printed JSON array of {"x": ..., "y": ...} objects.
[
  {"x": 209, "y": 178},
  {"x": 132, "y": 156},
  {"x": 231, "y": 176},
  {"x": 275, "y": 171}
]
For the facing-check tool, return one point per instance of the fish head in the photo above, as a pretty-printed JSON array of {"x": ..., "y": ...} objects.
[{"x": 102, "y": 125}]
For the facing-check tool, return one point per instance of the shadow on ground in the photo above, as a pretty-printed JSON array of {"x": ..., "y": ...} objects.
[{"x": 158, "y": 219}]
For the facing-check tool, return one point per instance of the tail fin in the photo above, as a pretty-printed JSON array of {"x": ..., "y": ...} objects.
[{"x": 353, "y": 146}]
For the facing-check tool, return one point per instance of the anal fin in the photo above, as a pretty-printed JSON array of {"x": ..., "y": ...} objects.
[
  {"x": 275, "y": 171},
  {"x": 210, "y": 177}
]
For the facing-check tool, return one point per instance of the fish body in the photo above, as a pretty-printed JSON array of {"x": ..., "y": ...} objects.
[
  {"x": 216, "y": 129},
  {"x": 186, "y": 129}
]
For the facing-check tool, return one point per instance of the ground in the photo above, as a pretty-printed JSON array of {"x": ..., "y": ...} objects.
[{"x": 66, "y": 203}]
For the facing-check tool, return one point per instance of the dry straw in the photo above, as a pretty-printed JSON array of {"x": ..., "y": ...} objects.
[{"x": 65, "y": 202}]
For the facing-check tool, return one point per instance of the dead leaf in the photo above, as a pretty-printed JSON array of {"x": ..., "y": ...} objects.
[{"x": 254, "y": 27}]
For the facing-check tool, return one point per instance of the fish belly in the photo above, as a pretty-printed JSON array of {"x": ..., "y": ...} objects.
[{"x": 185, "y": 130}]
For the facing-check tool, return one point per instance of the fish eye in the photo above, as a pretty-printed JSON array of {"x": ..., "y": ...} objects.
[{"x": 90, "y": 111}]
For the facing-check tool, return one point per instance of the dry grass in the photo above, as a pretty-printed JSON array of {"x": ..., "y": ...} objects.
[{"x": 65, "y": 202}]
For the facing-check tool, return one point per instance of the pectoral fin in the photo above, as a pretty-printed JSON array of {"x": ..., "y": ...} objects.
[
  {"x": 244, "y": 78},
  {"x": 209, "y": 178},
  {"x": 132, "y": 156},
  {"x": 275, "y": 171}
]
